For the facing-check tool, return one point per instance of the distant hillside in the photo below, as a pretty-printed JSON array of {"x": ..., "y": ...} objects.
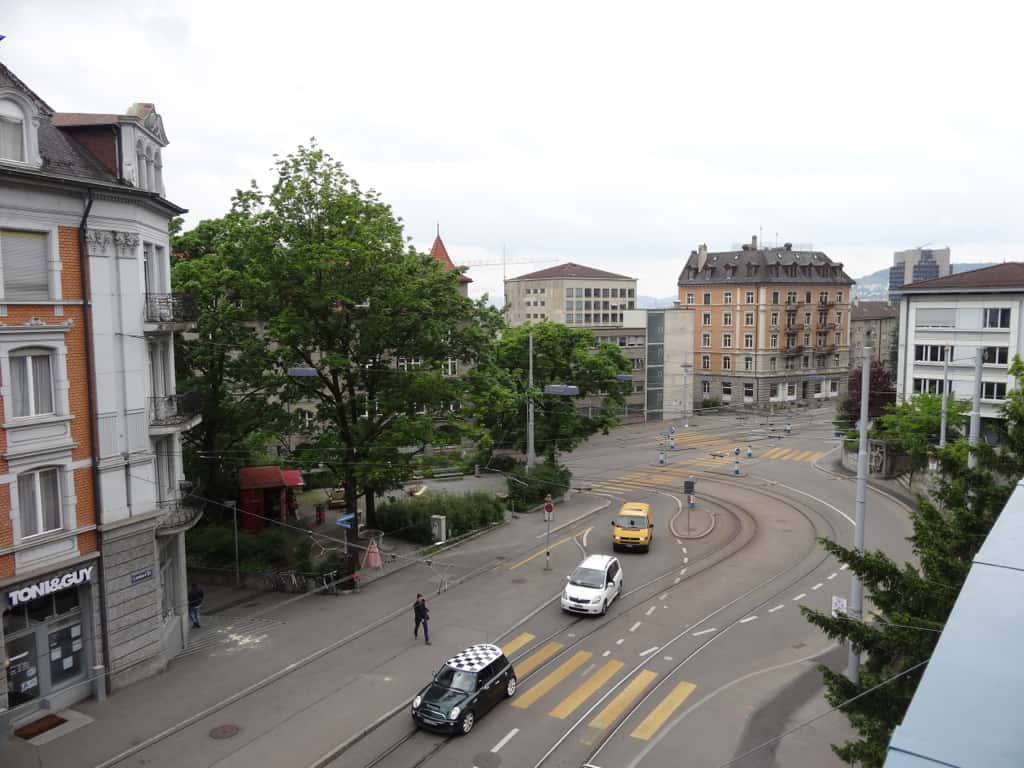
[
  {"x": 876, "y": 285},
  {"x": 653, "y": 302}
]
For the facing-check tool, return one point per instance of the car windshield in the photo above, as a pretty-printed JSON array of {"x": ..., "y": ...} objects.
[
  {"x": 449, "y": 677},
  {"x": 630, "y": 521},
  {"x": 587, "y": 577}
]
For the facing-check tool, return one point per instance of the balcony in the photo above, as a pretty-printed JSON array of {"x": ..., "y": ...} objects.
[
  {"x": 825, "y": 349},
  {"x": 826, "y": 326},
  {"x": 174, "y": 413},
  {"x": 169, "y": 312},
  {"x": 176, "y": 515},
  {"x": 792, "y": 351}
]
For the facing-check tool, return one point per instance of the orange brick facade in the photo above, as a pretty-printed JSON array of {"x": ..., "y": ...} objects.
[{"x": 78, "y": 396}]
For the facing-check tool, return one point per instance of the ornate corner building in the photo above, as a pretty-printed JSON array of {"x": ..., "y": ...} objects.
[{"x": 92, "y": 547}]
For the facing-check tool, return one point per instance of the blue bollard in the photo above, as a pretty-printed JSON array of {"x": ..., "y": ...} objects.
[
  {"x": 736, "y": 467},
  {"x": 661, "y": 457},
  {"x": 750, "y": 451},
  {"x": 671, "y": 443},
  {"x": 737, "y": 450}
]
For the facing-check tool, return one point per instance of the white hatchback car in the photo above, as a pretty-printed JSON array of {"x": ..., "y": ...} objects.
[{"x": 592, "y": 587}]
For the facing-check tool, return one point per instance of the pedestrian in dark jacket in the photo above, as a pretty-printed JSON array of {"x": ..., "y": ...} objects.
[
  {"x": 195, "y": 600},
  {"x": 422, "y": 614}
]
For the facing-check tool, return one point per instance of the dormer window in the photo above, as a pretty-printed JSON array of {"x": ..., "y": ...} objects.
[{"x": 19, "y": 118}]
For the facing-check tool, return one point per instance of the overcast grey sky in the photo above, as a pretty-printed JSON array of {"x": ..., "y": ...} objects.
[{"x": 614, "y": 135}]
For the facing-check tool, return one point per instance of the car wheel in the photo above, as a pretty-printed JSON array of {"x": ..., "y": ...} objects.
[
  {"x": 604, "y": 607},
  {"x": 510, "y": 688},
  {"x": 468, "y": 721}
]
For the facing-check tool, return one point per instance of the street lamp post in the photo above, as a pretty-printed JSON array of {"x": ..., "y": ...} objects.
[
  {"x": 856, "y": 587},
  {"x": 687, "y": 398},
  {"x": 531, "y": 455}
]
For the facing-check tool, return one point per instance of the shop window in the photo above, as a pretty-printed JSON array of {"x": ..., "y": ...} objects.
[{"x": 39, "y": 501}]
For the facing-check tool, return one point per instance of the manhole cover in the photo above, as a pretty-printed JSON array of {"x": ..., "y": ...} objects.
[
  {"x": 519, "y": 580},
  {"x": 224, "y": 731}
]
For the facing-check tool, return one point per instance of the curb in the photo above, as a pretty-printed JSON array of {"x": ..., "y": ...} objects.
[{"x": 872, "y": 486}]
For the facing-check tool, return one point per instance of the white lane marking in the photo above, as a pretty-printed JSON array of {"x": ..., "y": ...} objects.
[
  {"x": 619, "y": 641},
  {"x": 749, "y": 618},
  {"x": 834, "y": 508},
  {"x": 801, "y": 596},
  {"x": 505, "y": 740},
  {"x": 682, "y": 572},
  {"x": 776, "y": 608},
  {"x": 832, "y": 576},
  {"x": 684, "y": 550},
  {"x": 844, "y": 566},
  {"x": 633, "y": 628},
  {"x": 570, "y": 634},
  {"x": 649, "y": 651},
  {"x": 686, "y": 559},
  {"x": 585, "y": 534},
  {"x": 651, "y": 610},
  {"x": 663, "y": 596},
  {"x": 704, "y": 632},
  {"x": 606, "y": 653},
  {"x": 678, "y": 579},
  {"x": 819, "y": 585},
  {"x": 668, "y": 658}
]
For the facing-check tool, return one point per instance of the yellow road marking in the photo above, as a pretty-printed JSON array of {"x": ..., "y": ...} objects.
[
  {"x": 614, "y": 709},
  {"x": 552, "y": 679},
  {"x": 516, "y": 643},
  {"x": 661, "y": 713},
  {"x": 534, "y": 660},
  {"x": 817, "y": 455},
  {"x": 785, "y": 454},
  {"x": 805, "y": 456},
  {"x": 542, "y": 551},
  {"x": 569, "y": 704},
  {"x": 771, "y": 453}
]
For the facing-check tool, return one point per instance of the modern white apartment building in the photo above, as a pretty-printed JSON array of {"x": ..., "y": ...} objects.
[{"x": 954, "y": 316}]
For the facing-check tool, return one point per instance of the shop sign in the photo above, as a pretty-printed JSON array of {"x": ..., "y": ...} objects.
[{"x": 49, "y": 586}]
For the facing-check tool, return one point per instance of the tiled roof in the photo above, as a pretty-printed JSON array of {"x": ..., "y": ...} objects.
[
  {"x": 571, "y": 270},
  {"x": 439, "y": 252},
  {"x": 759, "y": 266},
  {"x": 872, "y": 310},
  {"x": 1005, "y": 277}
]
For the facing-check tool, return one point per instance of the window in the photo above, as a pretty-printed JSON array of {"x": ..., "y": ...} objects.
[
  {"x": 726, "y": 389},
  {"x": 615, "y": 293},
  {"x": 604, "y": 292},
  {"x": 726, "y": 339},
  {"x": 579, "y": 293},
  {"x": 939, "y": 318},
  {"x": 806, "y": 361},
  {"x": 993, "y": 390},
  {"x": 705, "y": 387},
  {"x": 748, "y": 363},
  {"x": 727, "y": 318},
  {"x": 995, "y": 355},
  {"x": 451, "y": 367},
  {"x": 568, "y": 293},
  {"x": 817, "y": 387},
  {"x": 833, "y": 387},
  {"x": 791, "y": 390},
  {"x": 705, "y": 340},
  {"x": 807, "y": 339},
  {"x": 774, "y": 341},
  {"x": 748, "y": 389},
  {"x": 31, "y": 384},
  {"x": 772, "y": 363},
  {"x": 750, "y": 297},
  {"x": 726, "y": 363},
  {"x": 705, "y": 362},
  {"x": 773, "y": 390},
  {"x": 689, "y": 298},
  {"x": 707, "y": 298},
  {"x": 727, "y": 297},
  {"x": 823, "y": 297},
  {"x": 791, "y": 297},
  {"x": 839, "y": 297},
  {"x": 23, "y": 256},
  {"x": 638, "y": 363},
  {"x": 775, "y": 297},
  {"x": 748, "y": 341},
  {"x": 839, "y": 338},
  {"x": 932, "y": 353},
  {"x": 775, "y": 319},
  {"x": 39, "y": 501},
  {"x": 835, "y": 361},
  {"x": 705, "y": 318},
  {"x": 748, "y": 318},
  {"x": 586, "y": 293},
  {"x": 12, "y": 132},
  {"x": 997, "y": 318},
  {"x": 839, "y": 318}
]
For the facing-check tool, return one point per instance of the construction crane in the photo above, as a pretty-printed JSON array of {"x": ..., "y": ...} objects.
[{"x": 503, "y": 263}]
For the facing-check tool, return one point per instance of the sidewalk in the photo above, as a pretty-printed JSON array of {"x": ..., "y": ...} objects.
[
  {"x": 248, "y": 637},
  {"x": 893, "y": 487}
]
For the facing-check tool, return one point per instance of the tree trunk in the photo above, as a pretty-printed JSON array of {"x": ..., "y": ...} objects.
[{"x": 371, "y": 508}]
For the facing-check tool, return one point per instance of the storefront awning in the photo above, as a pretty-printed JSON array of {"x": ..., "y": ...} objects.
[{"x": 293, "y": 478}]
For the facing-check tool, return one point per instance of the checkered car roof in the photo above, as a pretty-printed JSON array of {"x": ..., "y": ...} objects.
[{"x": 474, "y": 658}]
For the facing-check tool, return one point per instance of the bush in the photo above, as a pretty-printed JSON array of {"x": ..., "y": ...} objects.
[
  {"x": 410, "y": 518},
  {"x": 527, "y": 490},
  {"x": 273, "y": 548},
  {"x": 502, "y": 463},
  {"x": 711, "y": 402}
]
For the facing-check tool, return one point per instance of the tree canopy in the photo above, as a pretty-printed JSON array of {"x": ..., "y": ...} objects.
[
  {"x": 882, "y": 393},
  {"x": 913, "y": 426}
]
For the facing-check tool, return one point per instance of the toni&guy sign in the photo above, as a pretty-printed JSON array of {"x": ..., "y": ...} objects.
[{"x": 49, "y": 586}]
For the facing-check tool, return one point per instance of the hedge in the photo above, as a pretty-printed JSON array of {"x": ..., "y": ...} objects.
[
  {"x": 409, "y": 519},
  {"x": 528, "y": 489}
]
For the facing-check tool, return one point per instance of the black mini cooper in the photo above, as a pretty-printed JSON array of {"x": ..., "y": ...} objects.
[{"x": 465, "y": 688}]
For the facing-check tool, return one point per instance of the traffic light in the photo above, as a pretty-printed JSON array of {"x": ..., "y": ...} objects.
[{"x": 687, "y": 486}]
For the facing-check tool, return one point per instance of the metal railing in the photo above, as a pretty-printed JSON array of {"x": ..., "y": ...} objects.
[
  {"x": 173, "y": 409},
  {"x": 170, "y": 308},
  {"x": 177, "y": 513},
  {"x": 790, "y": 351}
]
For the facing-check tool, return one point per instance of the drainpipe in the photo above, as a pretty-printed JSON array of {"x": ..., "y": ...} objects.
[{"x": 90, "y": 355}]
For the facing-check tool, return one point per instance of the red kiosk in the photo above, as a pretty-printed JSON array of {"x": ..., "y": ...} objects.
[{"x": 268, "y": 492}]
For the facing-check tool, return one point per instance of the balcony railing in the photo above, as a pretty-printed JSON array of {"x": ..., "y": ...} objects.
[
  {"x": 791, "y": 351},
  {"x": 177, "y": 515},
  {"x": 170, "y": 308},
  {"x": 168, "y": 410},
  {"x": 826, "y": 349}
]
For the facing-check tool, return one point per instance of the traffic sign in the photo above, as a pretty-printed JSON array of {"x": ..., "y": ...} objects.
[
  {"x": 691, "y": 500},
  {"x": 549, "y": 508},
  {"x": 838, "y": 606},
  {"x": 345, "y": 521}
]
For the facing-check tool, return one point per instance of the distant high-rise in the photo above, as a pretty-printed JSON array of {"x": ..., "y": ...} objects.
[{"x": 915, "y": 265}]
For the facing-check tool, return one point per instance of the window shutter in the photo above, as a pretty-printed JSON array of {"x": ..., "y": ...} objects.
[{"x": 24, "y": 263}]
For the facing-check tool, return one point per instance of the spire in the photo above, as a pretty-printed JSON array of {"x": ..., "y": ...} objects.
[{"x": 439, "y": 252}]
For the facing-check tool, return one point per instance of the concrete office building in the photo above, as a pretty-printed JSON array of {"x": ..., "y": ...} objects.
[
  {"x": 874, "y": 324},
  {"x": 914, "y": 265},
  {"x": 92, "y": 548}
]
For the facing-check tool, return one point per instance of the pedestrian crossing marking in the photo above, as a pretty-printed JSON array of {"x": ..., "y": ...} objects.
[
  {"x": 771, "y": 453},
  {"x": 552, "y": 679},
  {"x": 614, "y": 709},
  {"x": 570, "y": 703},
  {"x": 663, "y": 711},
  {"x": 534, "y": 660},
  {"x": 516, "y": 643}
]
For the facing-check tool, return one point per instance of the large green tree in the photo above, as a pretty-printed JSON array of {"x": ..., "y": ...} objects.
[
  {"x": 561, "y": 355},
  {"x": 224, "y": 358},
  {"x": 912, "y": 602},
  {"x": 343, "y": 295},
  {"x": 913, "y": 426}
]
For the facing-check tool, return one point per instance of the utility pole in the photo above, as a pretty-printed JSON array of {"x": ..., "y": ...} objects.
[
  {"x": 531, "y": 454},
  {"x": 945, "y": 394},
  {"x": 856, "y": 588},
  {"x": 975, "y": 434}
]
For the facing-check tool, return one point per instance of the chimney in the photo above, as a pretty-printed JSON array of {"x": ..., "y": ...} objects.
[
  {"x": 702, "y": 256},
  {"x": 753, "y": 242}
]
